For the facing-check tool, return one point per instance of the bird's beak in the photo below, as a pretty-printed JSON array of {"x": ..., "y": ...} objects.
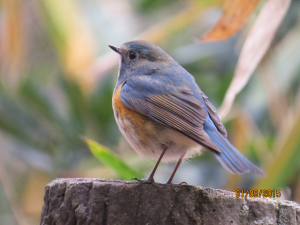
[{"x": 116, "y": 49}]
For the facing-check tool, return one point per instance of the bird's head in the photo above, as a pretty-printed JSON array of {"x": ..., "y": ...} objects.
[{"x": 138, "y": 53}]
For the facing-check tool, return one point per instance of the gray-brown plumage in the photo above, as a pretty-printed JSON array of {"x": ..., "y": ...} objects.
[{"x": 162, "y": 112}]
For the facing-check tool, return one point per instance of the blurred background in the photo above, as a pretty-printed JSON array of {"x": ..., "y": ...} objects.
[{"x": 57, "y": 76}]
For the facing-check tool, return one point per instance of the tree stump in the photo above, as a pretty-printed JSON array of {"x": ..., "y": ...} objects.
[{"x": 113, "y": 202}]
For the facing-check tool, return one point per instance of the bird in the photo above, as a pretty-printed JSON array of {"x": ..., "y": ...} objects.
[{"x": 164, "y": 115}]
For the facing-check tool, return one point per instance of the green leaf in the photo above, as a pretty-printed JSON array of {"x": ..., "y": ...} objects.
[
  {"x": 77, "y": 105},
  {"x": 286, "y": 158},
  {"x": 112, "y": 160}
]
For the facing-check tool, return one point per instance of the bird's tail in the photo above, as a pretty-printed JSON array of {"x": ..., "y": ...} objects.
[{"x": 230, "y": 157}]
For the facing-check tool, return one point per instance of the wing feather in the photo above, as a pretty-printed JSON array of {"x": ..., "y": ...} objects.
[
  {"x": 175, "y": 107},
  {"x": 178, "y": 113},
  {"x": 212, "y": 111}
]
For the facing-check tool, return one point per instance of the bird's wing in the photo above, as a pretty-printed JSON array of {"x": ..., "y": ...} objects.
[
  {"x": 177, "y": 110},
  {"x": 212, "y": 111}
]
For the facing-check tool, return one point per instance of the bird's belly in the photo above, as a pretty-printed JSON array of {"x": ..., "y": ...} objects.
[{"x": 148, "y": 137}]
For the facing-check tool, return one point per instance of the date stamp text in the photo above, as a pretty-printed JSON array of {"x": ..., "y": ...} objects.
[{"x": 254, "y": 193}]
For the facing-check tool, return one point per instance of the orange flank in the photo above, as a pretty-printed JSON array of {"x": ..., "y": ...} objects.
[{"x": 143, "y": 127}]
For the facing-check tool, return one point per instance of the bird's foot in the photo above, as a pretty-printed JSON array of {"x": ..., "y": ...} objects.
[
  {"x": 182, "y": 183},
  {"x": 148, "y": 180}
]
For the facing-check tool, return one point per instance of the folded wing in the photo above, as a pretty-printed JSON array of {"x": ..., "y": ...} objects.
[{"x": 179, "y": 111}]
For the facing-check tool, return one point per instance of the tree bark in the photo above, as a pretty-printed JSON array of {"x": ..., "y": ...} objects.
[{"x": 113, "y": 202}]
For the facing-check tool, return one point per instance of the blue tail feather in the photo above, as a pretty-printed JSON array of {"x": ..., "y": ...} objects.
[{"x": 230, "y": 157}]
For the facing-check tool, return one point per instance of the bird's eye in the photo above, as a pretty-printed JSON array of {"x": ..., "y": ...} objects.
[{"x": 132, "y": 55}]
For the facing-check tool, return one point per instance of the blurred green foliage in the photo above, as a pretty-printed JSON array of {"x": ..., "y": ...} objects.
[
  {"x": 112, "y": 160},
  {"x": 150, "y": 6},
  {"x": 58, "y": 85}
]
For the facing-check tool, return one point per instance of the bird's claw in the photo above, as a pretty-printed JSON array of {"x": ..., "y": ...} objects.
[
  {"x": 135, "y": 179},
  {"x": 143, "y": 181},
  {"x": 183, "y": 183}
]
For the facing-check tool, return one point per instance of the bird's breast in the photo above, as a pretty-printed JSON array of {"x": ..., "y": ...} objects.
[
  {"x": 137, "y": 128},
  {"x": 148, "y": 137}
]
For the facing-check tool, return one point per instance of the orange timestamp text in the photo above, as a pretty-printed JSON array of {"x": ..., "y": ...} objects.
[{"x": 254, "y": 193}]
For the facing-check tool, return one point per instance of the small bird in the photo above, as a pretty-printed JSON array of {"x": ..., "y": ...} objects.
[{"x": 164, "y": 115}]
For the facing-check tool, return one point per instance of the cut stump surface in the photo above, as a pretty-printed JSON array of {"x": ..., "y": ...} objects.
[{"x": 113, "y": 202}]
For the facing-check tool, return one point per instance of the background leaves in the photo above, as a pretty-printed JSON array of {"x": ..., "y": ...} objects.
[
  {"x": 57, "y": 77},
  {"x": 234, "y": 15},
  {"x": 110, "y": 159}
]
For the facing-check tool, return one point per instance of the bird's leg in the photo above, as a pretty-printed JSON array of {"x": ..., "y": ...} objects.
[
  {"x": 176, "y": 167},
  {"x": 150, "y": 178}
]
